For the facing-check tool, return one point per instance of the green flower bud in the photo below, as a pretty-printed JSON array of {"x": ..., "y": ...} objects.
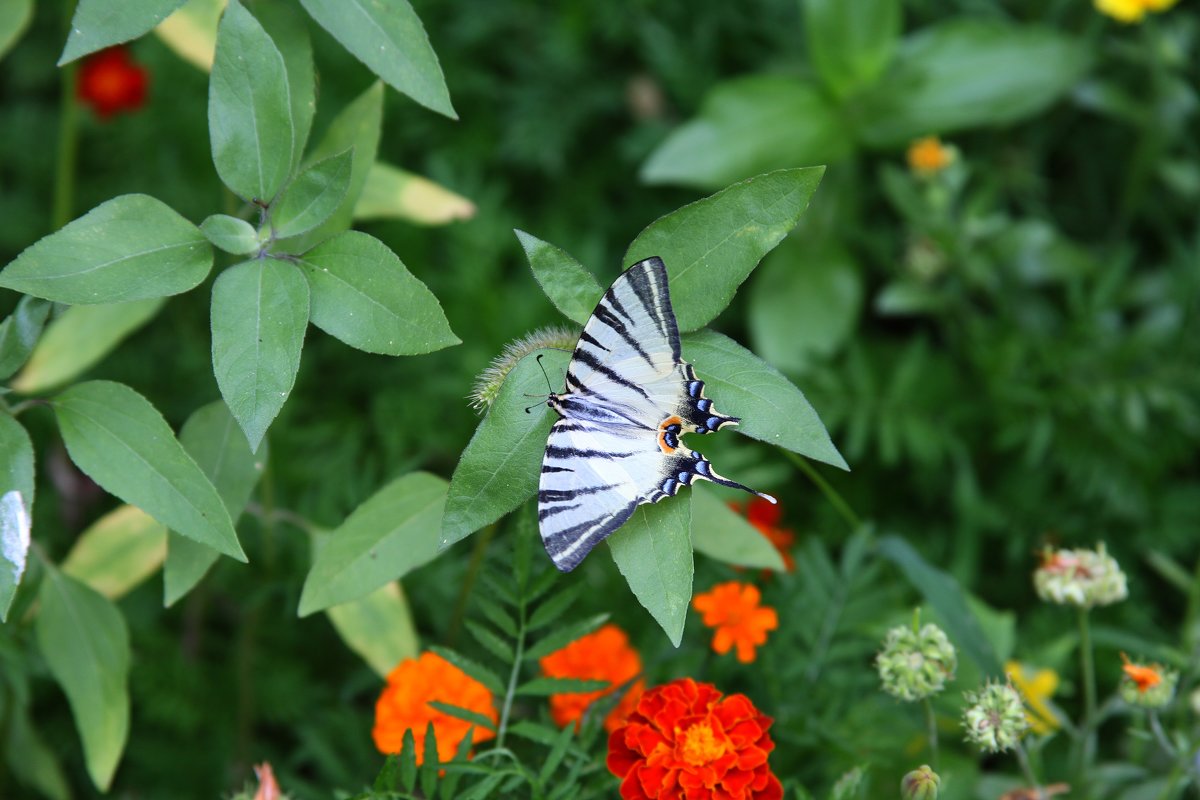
[
  {"x": 995, "y": 717},
  {"x": 916, "y": 664},
  {"x": 488, "y": 383},
  {"x": 1084, "y": 578},
  {"x": 1147, "y": 685},
  {"x": 920, "y": 784}
]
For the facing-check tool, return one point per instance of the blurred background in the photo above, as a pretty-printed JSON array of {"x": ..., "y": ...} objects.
[{"x": 998, "y": 326}]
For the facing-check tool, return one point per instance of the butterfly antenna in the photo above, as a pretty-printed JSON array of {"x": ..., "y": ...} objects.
[{"x": 547, "y": 377}]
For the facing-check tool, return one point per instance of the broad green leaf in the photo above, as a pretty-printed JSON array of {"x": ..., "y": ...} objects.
[
  {"x": 130, "y": 248},
  {"x": 968, "y": 73},
  {"x": 19, "y": 333},
  {"x": 772, "y": 410},
  {"x": 192, "y": 31},
  {"x": 80, "y": 337},
  {"x": 712, "y": 245},
  {"x": 393, "y": 193},
  {"x": 943, "y": 593},
  {"x": 83, "y": 638},
  {"x": 571, "y": 288},
  {"x": 121, "y": 442},
  {"x": 653, "y": 550},
  {"x": 804, "y": 302},
  {"x": 31, "y": 759},
  {"x": 501, "y": 466},
  {"x": 15, "y": 16},
  {"x": 288, "y": 29},
  {"x": 720, "y": 532},
  {"x": 392, "y": 533},
  {"x": 313, "y": 196},
  {"x": 364, "y": 295},
  {"x": 117, "y": 552},
  {"x": 231, "y": 234},
  {"x": 249, "y": 108},
  {"x": 851, "y": 41},
  {"x": 388, "y": 37},
  {"x": 98, "y": 24},
  {"x": 259, "y": 315},
  {"x": 213, "y": 438},
  {"x": 748, "y": 126},
  {"x": 16, "y": 506},
  {"x": 356, "y": 128},
  {"x": 379, "y": 627}
]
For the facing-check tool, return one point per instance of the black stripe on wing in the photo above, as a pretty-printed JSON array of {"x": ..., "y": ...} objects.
[
  {"x": 648, "y": 279},
  {"x": 568, "y": 547}
]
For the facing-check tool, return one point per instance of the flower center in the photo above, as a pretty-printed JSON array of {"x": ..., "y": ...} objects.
[{"x": 700, "y": 746}]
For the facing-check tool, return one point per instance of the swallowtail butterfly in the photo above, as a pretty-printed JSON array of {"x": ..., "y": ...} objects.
[{"x": 629, "y": 400}]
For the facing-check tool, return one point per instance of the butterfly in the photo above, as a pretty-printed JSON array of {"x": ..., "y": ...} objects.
[{"x": 629, "y": 399}]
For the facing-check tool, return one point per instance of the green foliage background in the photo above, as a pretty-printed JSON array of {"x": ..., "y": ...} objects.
[{"x": 1005, "y": 354}]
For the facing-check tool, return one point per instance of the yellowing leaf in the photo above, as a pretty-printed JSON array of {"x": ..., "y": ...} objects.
[
  {"x": 392, "y": 193},
  {"x": 192, "y": 31},
  {"x": 118, "y": 551}
]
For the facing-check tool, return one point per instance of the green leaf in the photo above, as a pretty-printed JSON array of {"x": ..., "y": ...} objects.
[
  {"x": 313, "y": 196},
  {"x": 968, "y": 73},
  {"x": 191, "y": 32},
  {"x": 16, "y": 507},
  {"x": 31, "y": 759},
  {"x": 121, "y": 442},
  {"x": 544, "y": 687},
  {"x": 535, "y": 732},
  {"x": 19, "y": 333},
  {"x": 364, "y": 295},
  {"x": 772, "y": 410},
  {"x": 721, "y": 533},
  {"x": 98, "y": 24},
  {"x": 498, "y": 617},
  {"x": 117, "y": 552},
  {"x": 571, "y": 288},
  {"x": 851, "y": 41},
  {"x": 804, "y": 302},
  {"x": 556, "y": 754},
  {"x": 213, "y": 438},
  {"x": 83, "y": 638},
  {"x": 464, "y": 714},
  {"x": 553, "y": 609},
  {"x": 357, "y": 129},
  {"x": 379, "y": 627},
  {"x": 393, "y": 193},
  {"x": 388, "y": 37},
  {"x": 259, "y": 316},
  {"x": 231, "y": 234},
  {"x": 653, "y": 550},
  {"x": 79, "y": 338},
  {"x": 712, "y": 245},
  {"x": 472, "y": 668},
  {"x": 491, "y": 642},
  {"x": 944, "y": 594},
  {"x": 15, "y": 16},
  {"x": 408, "y": 761},
  {"x": 564, "y": 636},
  {"x": 249, "y": 108},
  {"x": 129, "y": 248},
  {"x": 748, "y": 126},
  {"x": 389, "y": 535},
  {"x": 501, "y": 466},
  {"x": 288, "y": 29}
]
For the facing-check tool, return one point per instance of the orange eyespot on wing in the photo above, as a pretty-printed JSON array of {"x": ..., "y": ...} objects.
[{"x": 668, "y": 434}]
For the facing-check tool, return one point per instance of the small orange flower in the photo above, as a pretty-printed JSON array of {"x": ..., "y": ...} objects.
[
  {"x": 928, "y": 156},
  {"x": 404, "y": 705},
  {"x": 110, "y": 81},
  {"x": 733, "y": 610},
  {"x": 604, "y": 655},
  {"x": 684, "y": 740},
  {"x": 764, "y": 515},
  {"x": 1146, "y": 677}
]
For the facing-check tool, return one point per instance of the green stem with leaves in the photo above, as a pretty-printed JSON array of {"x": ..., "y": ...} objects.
[
  {"x": 831, "y": 494},
  {"x": 1086, "y": 743},
  {"x": 513, "y": 676},
  {"x": 68, "y": 142},
  {"x": 1027, "y": 771}
]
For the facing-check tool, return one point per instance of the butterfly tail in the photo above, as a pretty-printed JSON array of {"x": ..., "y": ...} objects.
[{"x": 703, "y": 469}]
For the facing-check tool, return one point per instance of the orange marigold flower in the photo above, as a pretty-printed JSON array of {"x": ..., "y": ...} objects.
[
  {"x": 764, "y": 515},
  {"x": 404, "y": 705},
  {"x": 1146, "y": 677},
  {"x": 110, "y": 81},
  {"x": 927, "y": 156},
  {"x": 685, "y": 741},
  {"x": 733, "y": 610},
  {"x": 604, "y": 655}
]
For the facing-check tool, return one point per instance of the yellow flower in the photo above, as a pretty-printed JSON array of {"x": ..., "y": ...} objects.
[
  {"x": 928, "y": 156},
  {"x": 1036, "y": 686},
  {"x": 1130, "y": 11}
]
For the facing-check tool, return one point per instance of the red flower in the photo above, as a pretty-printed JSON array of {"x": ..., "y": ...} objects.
[
  {"x": 684, "y": 742},
  {"x": 109, "y": 81},
  {"x": 603, "y": 655}
]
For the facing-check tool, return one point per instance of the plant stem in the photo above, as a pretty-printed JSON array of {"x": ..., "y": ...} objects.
[
  {"x": 1087, "y": 729},
  {"x": 482, "y": 539},
  {"x": 835, "y": 499},
  {"x": 68, "y": 145},
  {"x": 931, "y": 726},
  {"x": 1160, "y": 735},
  {"x": 1023, "y": 760},
  {"x": 512, "y": 678}
]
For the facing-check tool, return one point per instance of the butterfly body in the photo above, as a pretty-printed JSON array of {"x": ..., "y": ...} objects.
[{"x": 629, "y": 400}]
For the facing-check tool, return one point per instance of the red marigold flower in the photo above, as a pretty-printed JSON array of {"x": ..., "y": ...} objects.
[
  {"x": 110, "y": 81},
  {"x": 603, "y": 655},
  {"x": 684, "y": 741},
  {"x": 764, "y": 515},
  {"x": 733, "y": 610},
  {"x": 404, "y": 705}
]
